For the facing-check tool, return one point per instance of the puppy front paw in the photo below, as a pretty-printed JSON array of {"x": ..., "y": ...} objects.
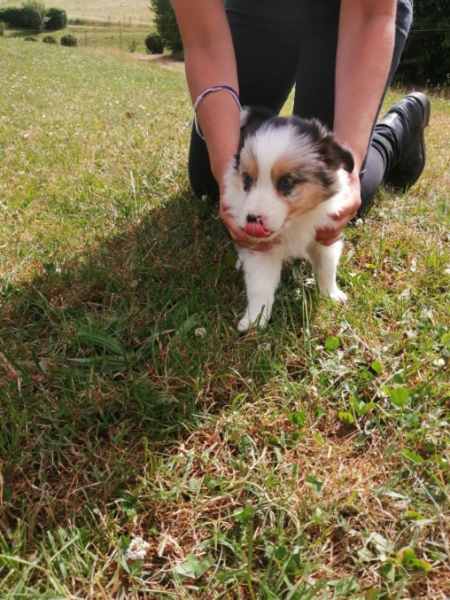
[
  {"x": 260, "y": 320},
  {"x": 338, "y": 296},
  {"x": 244, "y": 324}
]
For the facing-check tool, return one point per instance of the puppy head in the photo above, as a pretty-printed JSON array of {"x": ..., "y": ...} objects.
[{"x": 285, "y": 167}]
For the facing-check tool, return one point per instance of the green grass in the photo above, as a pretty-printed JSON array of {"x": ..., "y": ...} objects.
[
  {"x": 306, "y": 461},
  {"x": 112, "y": 24},
  {"x": 130, "y": 38},
  {"x": 91, "y": 36}
]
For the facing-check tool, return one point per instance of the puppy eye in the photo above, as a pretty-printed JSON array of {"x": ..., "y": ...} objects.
[
  {"x": 285, "y": 184},
  {"x": 247, "y": 181}
]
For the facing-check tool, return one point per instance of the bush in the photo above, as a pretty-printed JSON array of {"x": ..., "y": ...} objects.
[
  {"x": 30, "y": 16},
  {"x": 426, "y": 59},
  {"x": 154, "y": 43},
  {"x": 33, "y": 14},
  {"x": 166, "y": 25},
  {"x": 55, "y": 18},
  {"x": 69, "y": 40},
  {"x": 49, "y": 39},
  {"x": 12, "y": 16},
  {"x": 2, "y": 28}
]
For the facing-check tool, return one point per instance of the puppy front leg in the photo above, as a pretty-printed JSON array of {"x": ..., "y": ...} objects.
[
  {"x": 325, "y": 260},
  {"x": 262, "y": 275}
]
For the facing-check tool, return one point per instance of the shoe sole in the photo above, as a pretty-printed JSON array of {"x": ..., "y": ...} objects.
[
  {"x": 425, "y": 103},
  {"x": 426, "y": 107}
]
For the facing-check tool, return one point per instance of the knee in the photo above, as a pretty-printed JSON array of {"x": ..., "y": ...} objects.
[
  {"x": 200, "y": 175},
  {"x": 202, "y": 182}
]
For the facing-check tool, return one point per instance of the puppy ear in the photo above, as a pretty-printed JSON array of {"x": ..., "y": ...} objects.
[
  {"x": 335, "y": 155},
  {"x": 346, "y": 157},
  {"x": 245, "y": 115},
  {"x": 252, "y": 117}
]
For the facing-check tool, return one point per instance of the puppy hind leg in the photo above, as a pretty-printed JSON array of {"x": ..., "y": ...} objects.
[
  {"x": 262, "y": 276},
  {"x": 325, "y": 260}
]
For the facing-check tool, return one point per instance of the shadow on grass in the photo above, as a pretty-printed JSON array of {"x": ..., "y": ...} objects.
[{"x": 109, "y": 360}]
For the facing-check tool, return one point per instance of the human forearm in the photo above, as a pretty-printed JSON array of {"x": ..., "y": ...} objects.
[
  {"x": 218, "y": 113},
  {"x": 210, "y": 60},
  {"x": 366, "y": 41}
]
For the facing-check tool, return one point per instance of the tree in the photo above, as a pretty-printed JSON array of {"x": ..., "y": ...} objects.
[{"x": 166, "y": 24}]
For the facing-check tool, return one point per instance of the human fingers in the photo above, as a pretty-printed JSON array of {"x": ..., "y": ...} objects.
[
  {"x": 346, "y": 213},
  {"x": 328, "y": 236}
]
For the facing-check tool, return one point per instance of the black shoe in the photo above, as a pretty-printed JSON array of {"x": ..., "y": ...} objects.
[{"x": 404, "y": 126}]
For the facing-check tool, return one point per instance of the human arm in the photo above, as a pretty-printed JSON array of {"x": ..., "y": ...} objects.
[
  {"x": 364, "y": 54},
  {"x": 210, "y": 60}
]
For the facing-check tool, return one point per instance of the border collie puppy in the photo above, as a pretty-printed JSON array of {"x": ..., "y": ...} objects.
[{"x": 287, "y": 178}]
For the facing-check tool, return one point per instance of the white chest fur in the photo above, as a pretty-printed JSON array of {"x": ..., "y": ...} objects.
[{"x": 262, "y": 270}]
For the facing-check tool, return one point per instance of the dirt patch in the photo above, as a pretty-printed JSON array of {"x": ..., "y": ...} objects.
[{"x": 168, "y": 62}]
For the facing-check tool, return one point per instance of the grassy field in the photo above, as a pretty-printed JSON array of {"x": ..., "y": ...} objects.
[
  {"x": 129, "y": 38},
  {"x": 306, "y": 461},
  {"x": 110, "y": 32},
  {"x": 125, "y": 11},
  {"x": 113, "y": 30},
  {"x": 122, "y": 38}
]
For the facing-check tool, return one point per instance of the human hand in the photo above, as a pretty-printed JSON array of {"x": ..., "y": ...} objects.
[{"x": 329, "y": 235}]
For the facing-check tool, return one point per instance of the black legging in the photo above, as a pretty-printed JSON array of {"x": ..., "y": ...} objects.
[{"x": 293, "y": 42}]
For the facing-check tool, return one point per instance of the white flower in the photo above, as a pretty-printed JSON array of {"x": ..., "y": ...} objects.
[
  {"x": 439, "y": 362},
  {"x": 406, "y": 294},
  {"x": 266, "y": 347},
  {"x": 200, "y": 332},
  {"x": 427, "y": 313},
  {"x": 137, "y": 549}
]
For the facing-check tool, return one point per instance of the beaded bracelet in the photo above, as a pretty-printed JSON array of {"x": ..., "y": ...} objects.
[{"x": 211, "y": 90}]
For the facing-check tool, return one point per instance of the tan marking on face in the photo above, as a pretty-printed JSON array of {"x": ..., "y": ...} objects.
[
  {"x": 287, "y": 165},
  {"x": 305, "y": 197},
  {"x": 249, "y": 164}
]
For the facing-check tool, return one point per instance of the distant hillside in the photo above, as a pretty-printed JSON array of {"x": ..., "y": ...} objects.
[{"x": 134, "y": 11}]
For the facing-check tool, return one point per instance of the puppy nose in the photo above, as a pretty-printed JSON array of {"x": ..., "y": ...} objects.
[{"x": 252, "y": 218}]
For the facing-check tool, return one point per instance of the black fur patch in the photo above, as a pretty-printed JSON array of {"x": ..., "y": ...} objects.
[
  {"x": 257, "y": 116},
  {"x": 333, "y": 154}
]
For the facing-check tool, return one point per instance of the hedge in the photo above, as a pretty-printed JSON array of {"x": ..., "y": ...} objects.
[
  {"x": 55, "y": 18},
  {"x": 27, "y": 17},
  {"x": 34, "y": 16}
]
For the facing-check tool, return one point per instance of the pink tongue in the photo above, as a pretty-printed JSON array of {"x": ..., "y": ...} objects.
[{"x": 256, "y": 230}]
